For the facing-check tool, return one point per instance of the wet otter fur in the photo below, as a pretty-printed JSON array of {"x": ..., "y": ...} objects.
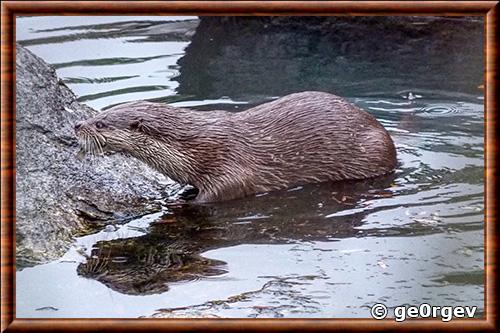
[{"x": 300, "y": 138}]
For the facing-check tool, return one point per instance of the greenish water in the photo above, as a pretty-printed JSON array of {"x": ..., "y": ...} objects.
[{"x": 328, "y": 250}]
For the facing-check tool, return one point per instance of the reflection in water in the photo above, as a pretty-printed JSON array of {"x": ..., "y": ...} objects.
[
  {"x": 319, "y": 250},
  {"x": 145, "y": 265},
  {"x": 350, "y": 56},
  {"x": 112, "y": 60},
  {"x": 170, "y": 251}
]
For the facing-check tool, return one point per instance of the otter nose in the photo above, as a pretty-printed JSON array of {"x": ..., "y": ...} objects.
[{"x": 78, "y": 125}]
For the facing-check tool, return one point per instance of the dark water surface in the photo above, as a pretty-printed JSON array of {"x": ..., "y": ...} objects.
[{"x": 328, "y": 250}]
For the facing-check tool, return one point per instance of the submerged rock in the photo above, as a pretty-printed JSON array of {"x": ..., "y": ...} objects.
[{"x": 56, "y": 194}]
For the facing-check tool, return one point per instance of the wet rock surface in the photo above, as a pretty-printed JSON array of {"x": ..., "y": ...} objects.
[
  {"x": 57, "y": 195},
  {"x": 351, "y": 56}
]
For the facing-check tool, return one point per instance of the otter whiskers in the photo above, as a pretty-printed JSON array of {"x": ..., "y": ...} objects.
[{"x": 91, "y": 143}]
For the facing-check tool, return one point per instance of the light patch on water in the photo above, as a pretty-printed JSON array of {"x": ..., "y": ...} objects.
[
  {"x": 334, "y": 268},
  {"x": 99, "y": 60},
  {"x": 319, "y": 280},
  {"x": 30, "y": 27},
  {"x": 253, "y": 217}
]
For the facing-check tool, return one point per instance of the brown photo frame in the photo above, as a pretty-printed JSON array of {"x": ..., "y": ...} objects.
[{"x": 487, "y": 9}]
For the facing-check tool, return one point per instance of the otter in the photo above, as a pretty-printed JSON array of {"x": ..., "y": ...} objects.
[{"x": 305, "y": 137}]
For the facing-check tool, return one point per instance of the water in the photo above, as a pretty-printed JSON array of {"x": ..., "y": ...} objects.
[{"x": 328, "y": 250}]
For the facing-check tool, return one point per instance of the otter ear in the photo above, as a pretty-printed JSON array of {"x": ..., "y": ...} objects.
[
  {"x": 140, "y": 125},
  {"x": 136, "y": 125}
]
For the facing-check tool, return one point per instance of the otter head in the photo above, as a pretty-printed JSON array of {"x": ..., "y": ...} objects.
[
  {"x": 148, "y": 131},
  {"x": 123, "y": 128},
  {"x": 108, "y": 132}
]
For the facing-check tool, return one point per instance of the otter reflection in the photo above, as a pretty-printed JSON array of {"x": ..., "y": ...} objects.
[
  {"x": 172, "y": 249},
  {"x": 144, "y": 265}
]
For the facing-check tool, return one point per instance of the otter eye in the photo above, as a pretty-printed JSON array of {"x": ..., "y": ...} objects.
[{"x": 99, "y": 124}]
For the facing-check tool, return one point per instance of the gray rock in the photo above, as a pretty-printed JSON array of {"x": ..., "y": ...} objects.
[{"x": 57, "y": 195}]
